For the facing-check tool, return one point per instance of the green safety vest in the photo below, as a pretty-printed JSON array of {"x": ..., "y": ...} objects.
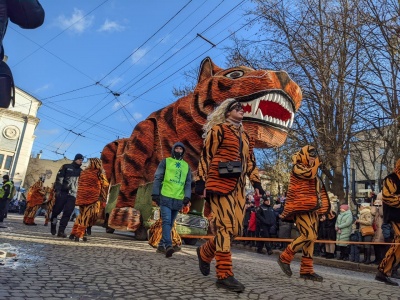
[
  {"x": 2, "y": 190},
  {"x": 175, "y": 175}
]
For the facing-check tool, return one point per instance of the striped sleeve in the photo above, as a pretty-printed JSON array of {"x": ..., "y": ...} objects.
[
  {"x": 389, "y": 195},
  {"x": 212, "y": 141}
]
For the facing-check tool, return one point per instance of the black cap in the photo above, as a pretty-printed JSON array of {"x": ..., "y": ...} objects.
[
  {"x": 78, "y": 156},
  {"x": 6, "y": 177}
]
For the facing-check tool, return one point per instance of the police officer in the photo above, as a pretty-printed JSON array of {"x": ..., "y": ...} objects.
[
  {"x": 5, "y": 195},
  {"x": 66, "y": 185}
]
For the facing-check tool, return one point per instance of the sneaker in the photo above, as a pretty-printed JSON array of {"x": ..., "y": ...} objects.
[
  {"x": 61, "y": 234},
  {"x": 231, "y": 284},
  {"x": 383, "y": 278},
  {"x": 285, "y": 267},
  {"x": 312, "y": 276},
  {"x": 203, "y": 266},
  {"x": 169, "y": 251},
  {"x": 53, "y": 229},
  {"x": 160, "y": 249},
  {"x": 71, "y": 237},
  {"x": 177, "y": 248}
]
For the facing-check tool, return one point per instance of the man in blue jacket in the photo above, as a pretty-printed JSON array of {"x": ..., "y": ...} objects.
[{"x": 171, "y": 191}]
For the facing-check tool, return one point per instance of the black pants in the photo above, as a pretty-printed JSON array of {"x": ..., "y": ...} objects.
[
  {"x": 3, "y": 204},
  {"x": 64, "y": 203},
  {"x": 264, "y": 233}
]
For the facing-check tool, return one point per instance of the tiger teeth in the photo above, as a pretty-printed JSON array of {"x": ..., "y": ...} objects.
[{"x": 272, "y": 97}]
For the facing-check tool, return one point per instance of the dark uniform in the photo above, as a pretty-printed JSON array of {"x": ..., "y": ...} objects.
[{"x": 65, "y": 186}]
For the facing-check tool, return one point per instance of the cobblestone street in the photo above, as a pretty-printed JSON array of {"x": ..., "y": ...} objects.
[{"x": 116, "y": 266}]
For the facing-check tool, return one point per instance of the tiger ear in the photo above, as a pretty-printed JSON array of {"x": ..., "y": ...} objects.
[{"x": 207, "y": 69}]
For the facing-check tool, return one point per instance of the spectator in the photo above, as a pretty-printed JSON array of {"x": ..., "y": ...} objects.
[
  {"x": 5, "y": 195},
  {"x": 329, "y": 233},
  {"x": 35, "y": 199},
  {"x": 377, "y": 214},
  {"x": 284, "y": 229},
  {"x": 248, "y": 208},
  {"x": 365, "y": 219},
  {"x": 343, "y": 231},
  {"x": 252, "y": 225},
  {"x": 355, "y": 236},
  {"x": 267, "y": 219}
]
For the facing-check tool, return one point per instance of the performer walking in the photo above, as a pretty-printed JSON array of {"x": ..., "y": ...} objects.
[
  {"x": 306, "y": 200},
  {"x": 391, "y": 214},
  {"x": 225, "y": 140},
  {"x": 35, "y": 199},
  {"x": 91, "y": 196}
]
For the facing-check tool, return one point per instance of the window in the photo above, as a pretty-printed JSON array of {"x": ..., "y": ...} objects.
[
  {"x": 7, "y": 164},
  {"x": 1, "y": 160}
]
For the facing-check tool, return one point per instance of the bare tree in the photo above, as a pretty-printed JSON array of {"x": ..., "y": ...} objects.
[{"x": 314, "y": 41}]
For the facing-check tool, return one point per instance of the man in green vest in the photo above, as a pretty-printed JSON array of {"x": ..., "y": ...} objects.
[
  {"x": 5, "y": 195},
  {"x": 171, "y": 191}
]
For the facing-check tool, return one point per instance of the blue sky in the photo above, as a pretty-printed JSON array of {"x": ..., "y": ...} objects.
[{"x": 86, "y": 51}]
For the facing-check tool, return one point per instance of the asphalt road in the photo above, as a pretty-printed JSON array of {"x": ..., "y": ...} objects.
[{"x": 116, "y": 266}]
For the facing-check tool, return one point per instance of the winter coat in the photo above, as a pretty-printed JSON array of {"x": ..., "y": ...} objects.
[
  {"x": 252, "y": 222},
  {"x": 247, "y": 216},
  {"x": 327, "y": 229},
  {"x": 377, "y": 214},
  {"x": 343, "y": 224},
  {"x": 285, "y": 229},
  {"x": 365, "y": 217}
]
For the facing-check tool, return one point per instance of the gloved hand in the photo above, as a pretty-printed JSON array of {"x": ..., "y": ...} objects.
[
  {"x": 186, "y": 201},
  {"x": 156, "y": 199},
  {"x": 199, "y": 187},
  {"x": 257, "y": 185}
]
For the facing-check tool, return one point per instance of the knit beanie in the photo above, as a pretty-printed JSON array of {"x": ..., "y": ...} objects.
[{"x": 78, "y": 156}]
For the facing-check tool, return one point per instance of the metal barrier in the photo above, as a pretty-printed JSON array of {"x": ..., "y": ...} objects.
[{"x": 188, "y": 236}]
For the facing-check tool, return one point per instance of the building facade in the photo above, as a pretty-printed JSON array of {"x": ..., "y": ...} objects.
[{"x": 17, "y": 127}]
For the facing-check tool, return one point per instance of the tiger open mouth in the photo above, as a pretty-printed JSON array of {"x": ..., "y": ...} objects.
[{"x": 273, "y": 107}]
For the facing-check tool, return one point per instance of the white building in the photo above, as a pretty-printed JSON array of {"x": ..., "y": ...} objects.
[{"x": 17, "y": 126}]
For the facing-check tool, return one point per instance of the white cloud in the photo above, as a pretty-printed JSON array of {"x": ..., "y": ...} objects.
[
  {"x": 42, "y": 88},
  {"x": 46, "y": 132},
  {"x": 113, "y": 81},
  {"x": 111, "y": 26},
  {"x": 137, "y": 116},
  {"x": 138, "y": 55},
  {"x": 77, "y": 22}
]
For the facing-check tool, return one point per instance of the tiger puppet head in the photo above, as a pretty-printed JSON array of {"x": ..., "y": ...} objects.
[{"x": 269, "y": 98}]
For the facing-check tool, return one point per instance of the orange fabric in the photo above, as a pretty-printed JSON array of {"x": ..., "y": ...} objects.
[
  {"x": 223, "y": 264},
  {"x": 36, "y": 194},
  {"x": 306, "y": 265},
  {"x": 207, "y": 251},
  {"x": 287, "y": 255},
  {"x": 133, "y": 161}
]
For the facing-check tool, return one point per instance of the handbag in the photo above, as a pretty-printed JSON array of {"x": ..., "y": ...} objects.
[
  {"x": 231, "y": 169},
  {"x": 367, "y": 230}
]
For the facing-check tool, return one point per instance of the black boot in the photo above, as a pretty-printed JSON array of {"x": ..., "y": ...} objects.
[
  {"x": 341, "y": 253},
  {"x": 367, "y": 255},
  {"x": 346, "y": 253},
  {"x": 203, "y": 266},
  {"x": 285, "y": 267},
  {"x": 230, "y": 283},
  {"x": 53, "y": 227},
  {"x": 383, "y": 278},
  {"x": 61, "y": 234},
  {"x": 89, "y": 230},
  {"x": 312, "y": 276}
]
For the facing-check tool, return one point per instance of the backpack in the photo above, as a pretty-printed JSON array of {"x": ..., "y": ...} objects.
[
  {"x": 28, "y": 14},
  {"x": 7, "y": 87}
]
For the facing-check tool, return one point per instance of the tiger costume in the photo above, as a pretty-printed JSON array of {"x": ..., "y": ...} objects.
[
  {"x": 306, "y": 200},
  {"x": 225, "y": 140},
  {"x": 91, "y": 194},
  {"x": 51, "y": 199},
  {"x": 35, "y": 198},
  {"x": 270, "y": 100},
  {"x": 391, "y": 214}
]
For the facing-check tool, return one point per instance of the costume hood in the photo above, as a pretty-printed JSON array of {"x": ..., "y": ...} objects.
[{"x": 303, "y": 156}]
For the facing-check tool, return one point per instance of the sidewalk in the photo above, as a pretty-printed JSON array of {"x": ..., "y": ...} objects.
[{"x": 318, "y": 260}]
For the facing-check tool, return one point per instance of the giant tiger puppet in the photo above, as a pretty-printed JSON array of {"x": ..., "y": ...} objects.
[{"x": 270, "y": 100}]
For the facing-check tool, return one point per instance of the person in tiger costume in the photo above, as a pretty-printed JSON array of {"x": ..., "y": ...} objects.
[
  {"x": 225, "y": 140},
  {"x": 51, "y": 199},
  {"x": 306, "y": 200},
  {"x": 35, "y": 198},
  {"x": 91, "y": 196},
  {"x": 171, "y": 191},
  {"x": 391, "y": 214}
]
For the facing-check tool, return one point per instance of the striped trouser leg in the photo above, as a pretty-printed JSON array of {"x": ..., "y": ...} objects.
[{"x": 392, "y": 257}]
